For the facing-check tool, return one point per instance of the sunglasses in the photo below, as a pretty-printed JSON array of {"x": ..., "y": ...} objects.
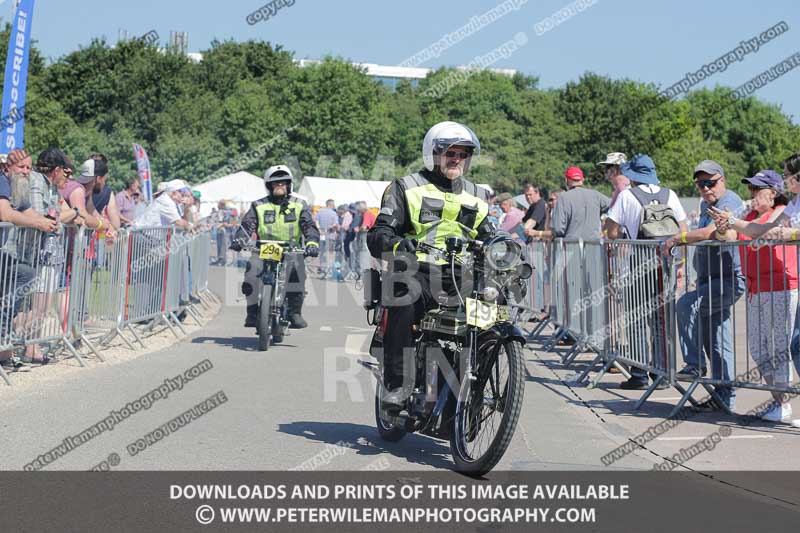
[
  {"x": 707, "y": 183},
  {"x": 458, "y": 153}
]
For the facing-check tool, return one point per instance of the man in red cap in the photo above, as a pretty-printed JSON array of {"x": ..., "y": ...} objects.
[{"x": 577, "y": 213}]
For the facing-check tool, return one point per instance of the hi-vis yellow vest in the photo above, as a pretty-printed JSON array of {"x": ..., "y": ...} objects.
[
  {"x": 277, "y": 224},
  {"x": 436, "y": 215}
]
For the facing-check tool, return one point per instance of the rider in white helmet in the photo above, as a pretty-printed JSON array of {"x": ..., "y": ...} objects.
[
  {"x": 430, "y": 205},
  {"x": 281, "y": 217}
]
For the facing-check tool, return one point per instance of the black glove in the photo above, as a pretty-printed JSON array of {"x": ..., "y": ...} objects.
[
  {"x": 237, "y": 245},
  {"x": 408, "y": 246},
  {"x": 312, "y": 250}
]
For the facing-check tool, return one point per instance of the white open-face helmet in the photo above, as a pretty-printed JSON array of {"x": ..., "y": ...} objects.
[
  {"x": 444, "y": 135},
  {"x": 278, "y": 173}
]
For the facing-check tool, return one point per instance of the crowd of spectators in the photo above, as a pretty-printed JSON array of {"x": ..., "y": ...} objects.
[
  {"x": 765, "y": 271},
  {"x": 343, "y": 232},
  {"x": 53, "y": 195}
]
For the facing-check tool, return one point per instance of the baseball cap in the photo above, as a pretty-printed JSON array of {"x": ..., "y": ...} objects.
[
  {"x": 709, "y": 167},
  {"x": 170, "y": 186},
  {"x": 574, "y": 174},
  {"x": 176, "y": 185},
  {"x": 88, "y": 172},
  {"x": 614, "y": 158},
  {"x": 640, "y": 169},
  {"x": 766, "y": 178}
]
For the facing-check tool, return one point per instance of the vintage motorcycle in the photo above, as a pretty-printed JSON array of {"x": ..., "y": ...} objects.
[
  {"x": 469, "y": 379},
  {"x": 273, "y": 318}
]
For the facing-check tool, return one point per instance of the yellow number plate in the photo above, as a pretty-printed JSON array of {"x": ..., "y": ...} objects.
[
  {"x": 271, "y": 250},
  {"x": 481, "y": 314}
]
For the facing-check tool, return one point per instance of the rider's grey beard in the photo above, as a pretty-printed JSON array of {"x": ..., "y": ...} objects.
[{"x": 20, "y": 189}]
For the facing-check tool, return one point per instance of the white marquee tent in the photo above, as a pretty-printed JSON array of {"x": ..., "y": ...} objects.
[
  {"x": 242, "y": 188},
  {"x": 318, "y": 190},
  {"x": 342, "y": 191}
]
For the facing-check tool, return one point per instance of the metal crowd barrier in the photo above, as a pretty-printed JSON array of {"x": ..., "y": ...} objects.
[
  {"x": 755, "y": 303},
  {"x": 640, "y": 301},
  {"x": 66, "y": 290},
  {"x": 635, "y": 307},
  {"x": 199, "y": 253},
  {"x": 558, "y": 292},
  {"x": 609, "y": 299},
  {"x": 538, "y": 254}
]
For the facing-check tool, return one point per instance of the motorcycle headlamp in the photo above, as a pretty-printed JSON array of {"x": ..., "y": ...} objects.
[{"x": 502, "y": 253}]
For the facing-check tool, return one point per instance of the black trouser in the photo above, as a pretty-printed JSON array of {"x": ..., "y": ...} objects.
[
  {"x": 348, "y": 238},
  {"x": 295, "y": 278},
  {"x": 406, "y": 298}
]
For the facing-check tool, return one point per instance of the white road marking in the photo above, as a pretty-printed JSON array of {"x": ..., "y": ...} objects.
[
  {"x": 354, "y": 344},
  {"x": 326, "y": 328},
  {"x": 724, "y": 438}
]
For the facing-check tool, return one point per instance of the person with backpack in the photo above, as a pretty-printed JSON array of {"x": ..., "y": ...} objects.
[{"x": 645, "y": 211}]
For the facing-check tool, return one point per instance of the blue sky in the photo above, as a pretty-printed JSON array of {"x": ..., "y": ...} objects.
[{"x": 646, "y": 40}]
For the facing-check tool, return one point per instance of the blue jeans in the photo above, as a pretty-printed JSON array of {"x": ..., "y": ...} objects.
[
  {"x": 705, "y": 330},
  {"x": 12, "y": 290}
]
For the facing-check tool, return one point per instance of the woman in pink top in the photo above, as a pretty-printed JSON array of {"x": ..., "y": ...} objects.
[{"x": 771, "y": 273}]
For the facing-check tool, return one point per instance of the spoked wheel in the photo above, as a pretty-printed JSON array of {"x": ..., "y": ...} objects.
[
  {"x": 387, "y": 430},
  {"x": 488, "y": 409},
  {"x": 265, "y": 318}
]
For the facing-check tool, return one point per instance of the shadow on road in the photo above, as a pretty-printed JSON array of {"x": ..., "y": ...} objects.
[
  {"x": 365, "y": 441},
  {"x": 246, "y": 344}
]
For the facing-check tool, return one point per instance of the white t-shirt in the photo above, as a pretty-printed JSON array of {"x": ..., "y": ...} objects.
[
  {"x": 162, "y": 212},
  {"x": 627, "y": 211},
  {"x": 792, "y": 212}
]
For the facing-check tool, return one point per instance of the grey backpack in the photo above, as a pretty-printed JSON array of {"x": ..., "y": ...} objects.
[{"x": 658, "y": 220}]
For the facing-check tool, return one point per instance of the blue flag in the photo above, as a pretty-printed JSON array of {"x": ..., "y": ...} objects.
[{"x": 16, "y": 79}]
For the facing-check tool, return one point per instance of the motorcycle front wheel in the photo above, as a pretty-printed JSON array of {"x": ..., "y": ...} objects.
[
  {"x": 265, "y": 318},
  {"x": 488, "y": 408}
]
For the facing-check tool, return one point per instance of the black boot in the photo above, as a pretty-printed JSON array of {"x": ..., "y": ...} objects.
[
  {"x": 294, "y": 304},
  {"x": 394, "y": 393},
  {"x": 252, "y": 316},
  {"x": 394, "y": 400}
]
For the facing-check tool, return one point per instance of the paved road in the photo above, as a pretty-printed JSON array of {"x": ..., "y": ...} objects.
[
  {"x": 285, "y": 408},
  {"x": 309, "y": 398},
  {"x": 281, "y": 409}
]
